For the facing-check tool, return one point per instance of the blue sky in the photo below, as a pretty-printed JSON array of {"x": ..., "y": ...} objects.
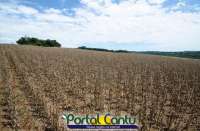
[
  {"x": 164, "y": 25},
  {"x": 55, "y": 3}
]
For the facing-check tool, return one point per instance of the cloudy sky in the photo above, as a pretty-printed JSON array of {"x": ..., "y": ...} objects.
[{"x": 164, "y": 25}]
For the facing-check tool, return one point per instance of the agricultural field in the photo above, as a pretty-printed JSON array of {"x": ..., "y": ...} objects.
[{"x": 37, "y": 84}]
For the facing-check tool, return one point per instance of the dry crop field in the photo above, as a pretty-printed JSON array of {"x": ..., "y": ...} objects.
[{"x": 37, "y": 84}]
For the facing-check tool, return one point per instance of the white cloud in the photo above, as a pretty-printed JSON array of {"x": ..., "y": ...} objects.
[
  {"x": 102, "y": 21},
  {"x": 156, "y": 1},
  {"x": 26, "y": 10},
  {"x": 53, "y": 11}
]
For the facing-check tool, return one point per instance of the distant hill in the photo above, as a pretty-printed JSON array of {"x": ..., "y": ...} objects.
[{"x": 183, "y": 54}]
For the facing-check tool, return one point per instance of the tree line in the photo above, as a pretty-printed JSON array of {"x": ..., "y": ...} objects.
[
  {"x": 38, "y": 42},
  {"x": 101, "y": 49}
]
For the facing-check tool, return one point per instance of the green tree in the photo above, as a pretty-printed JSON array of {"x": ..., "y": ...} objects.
[{"x": 38, "y": 42}]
